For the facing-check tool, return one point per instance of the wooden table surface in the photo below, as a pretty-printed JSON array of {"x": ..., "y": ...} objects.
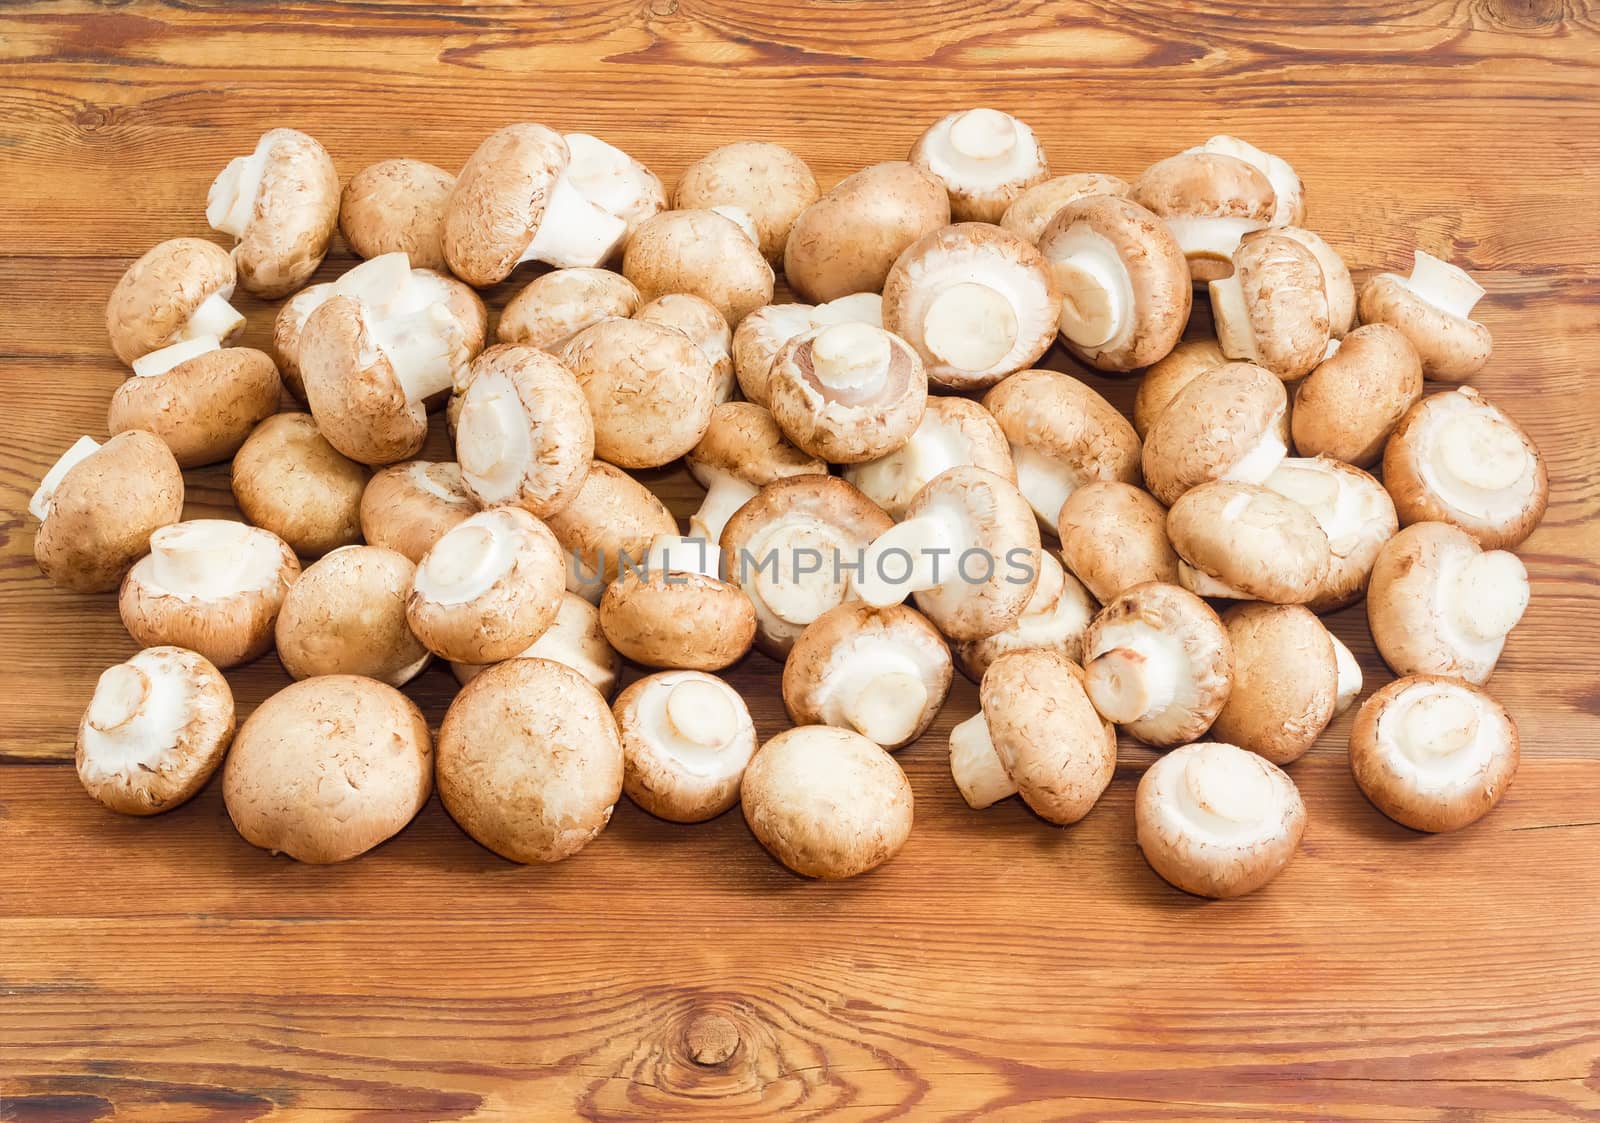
[{"x": 163, "y": 969}]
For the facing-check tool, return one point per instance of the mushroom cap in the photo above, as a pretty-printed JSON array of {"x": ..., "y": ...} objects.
[
  {"x": 1452, "y": 348},
  {"x": 976, "y": 301},
  {"x": 288, "y": 479},
  {"x": 1455, "y": 457},
  {"x": 204, "y": 407},
  {"x": 1165, "y": 379},
  {"x": 1225, "y": 423},
  {"x": 574, "y": 639},
  {"x": 155, "y": 731},
  {"x": 408, "y": 507},
  {"x": 1354, "y": 511},
  {"x": 1217, "y": 821},
  {"x": 764, "y": 332},
  {"x": 878, "y": 404},
  {"x": 953, "y": 431},
  {"x": 346, "y": 615},
  {"x": 677, "y": 619},
  {"x": 1159, "y": 631},
  {"x": 1055, "y": 619},
  {"x": 155, "y": 298},
  {"x": 701, "y": 322},
  {"x": 286, "y": 329},
  {"x": 1433, "y": 753},
  {"x": 650, "y": 390},
  {"x": 1351, "y": 401},
  {"x": 1285, "y": 681},
  {"x": 530, "y": 763},
  {"x": 555, "y": 306},
  {"x": 1194, "y": 186},
  {"x": 397, "y": 206},
  {"x": 1280, "y": 320},
  {"x": 847, "y": 240},
  {"x": 1338, "y": 288},
  {"x": 296, "y": 209},
  {"x": 768, "y": 182},
  {"x": 613, "y": 518},
  {"x": 686, "y": 741},
  {"x": 328, "y": 768},
  {"x": 826, "y": 802},
  {"x": 1031, "y": 211},
  {"x": 700, "y": 252},
  {"x": 499, "y": 201},
  {"x": 997, "y": 159},
  {"x": 1256, "y": 543},
  {"x": 359, "y": 403},
  {"x": 1113, "y": 537},
  {"x": 104, "y": 509},
  {"x": 745, "y": 442},
  {"x": 864, "y": 668}
]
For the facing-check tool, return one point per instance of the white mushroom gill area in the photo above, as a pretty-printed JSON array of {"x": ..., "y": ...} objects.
[
  {"x": 973, "y": 307},
  {"x": 160, "y": 362},
  {"x": 976, "y": 767},
  {"x": 1447, "y": 287},
  {"x": 495, "y": 438},
  {"x": 214, "y": 316},
  {"x": 1222, "y": 793},
  {"x": 1211, "y": 238},
  {"x": 231, "y": 201},
  {"x": 1059, "y": 608},
  {"x": 672, "y": 553},
  {"x": 725, "y": 494},
  {"x": 1046, "y": 482},
  {"x": 981, "y": 148},
  {"x": 1261, "y": 459},
  {"x": 574, "y": 232},
  {"x": 859, "y": 307},
  {"x": 692, "y": 721},
  {"x": 1480, "y": 597},
  {"x": 915, "y": 555},
  {"x": 891, "y": 481},
  {"x": 794, "y": 571},
  {"x": 424, "y": 476},
  {"x": 874, "y": 684},
  {"x": 1285, "y": 182},
  {"x": 211, "y": 560},
  {"x": 139, "y": 710},
  {"x": 1440, "y": 736},
  {"x": 1343, "y": 508},
  {"x": 1349, "y": 676},
  {"x": 1097, "y": 300},
  {"x": 408, "y": 320},
  {"x": 606, "y": 176},
  {"x": 81, "y": 450},
  {"x": 1473, "y": 460},
  {"x": 1202, "y": 584},
  {"x": 1136, "y": 672},
  {"x": 469, "y": 560}
]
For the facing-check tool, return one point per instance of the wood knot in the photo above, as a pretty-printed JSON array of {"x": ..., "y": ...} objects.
[{"x": 710, "y": 1039}]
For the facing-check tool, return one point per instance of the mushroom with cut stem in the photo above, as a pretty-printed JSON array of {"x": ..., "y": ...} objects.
[
  {"x": 883, "y": 672},
  {"x": 703, "y": 324},
  {"x": 1353, "y": 399},
  {"x": 555, "y": 306},
  {"x": 743, "y": 451},
  {"x": 1055, "y": 618},
  {"x": 766, "y": 181},
  {"x": 1031, "y": 211},
  {"x": 1113, "y": 537},
  {"x": 281, "y": 202},
  {"x": 1157, "y": 662},
  {"x": 1036, "y": 735},
  {"x": 827, "y": 803},
  {"x": 1438, "y": 604},
  {"x": 711, "y": 254},
  {"x": 178, "y": 290},
  {"x": 1217, "y": 821},
  {"x": 847, "y": 240},
  {"x": 1433, "y": 308},
  {"x": 288, "y": 479},
  {"x": 764, "y": 332},
  {"x": 953, "y": 431},
  {"x": 1165, "y": 379},
  {"x": 346, "y": 615},
  {"x": 614, "y": 181},
  {"x": 397, "y": 206},
  {"x": 155, "y": 731},
  {"x": 408, "y": 507},
  {"x": 1434, "y": 753},
  {"x": 1230, "y": 423},
  {"x": 1247, "y": 542},
  {"x": 574, "y": 639},
  {"x": 1272, "y": 309},
  {"x": 212, "y": 586},
  {"x": 687, "y": 738},
  {"x": 99, "y": 504},
  {"x": 202, "y": 399},
  {"x": 1285, "y": 680},
  {"x": 1455, "y": 457},
  {"x": 985, "y": 158},
  {"x": 1354, "y": 511},
  {"x": 1209, "y": 201},
  {"x": 612, "y": 521},
  {"x": 675, "y": 610},
  {"x": 848, "y": 393},
  {"x": 1289, "y": 206}
]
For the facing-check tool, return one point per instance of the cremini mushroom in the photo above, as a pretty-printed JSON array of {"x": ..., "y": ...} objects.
[
  {"x": 1289, "y": 203},
  {"x": 687, "y": 738},
  {"x": 848, "y": 393},
  {"x": 1054, "y": 619},
  {"x": 827, "y": 803},
  {"x": 178, "y": 290},
  {"x": 702, "y": 323},
  {"x": 707, "y": 253},
  {"x": 1217, "y": 821},
  {"x": 766, "y": 181},
  {"x": 574, "y": 639},
  {"x": 742, "y": 452},
  {"x": 155, "y": 731},
  {"x": 1165, "y": 379},
  {"x": 953, "y": 431},
  {"x": 408, "y": 507},
  {"x": 614, "y": 181},
  {"x": 1272, "y": 309},
  {"x": 1285, "y": 681},
  {"x": 1031, "y": 211},
  {"x": 1354, "y": 511},
  {"x": 201, "y": 399},
  {"x": 346, "y": 615},
  {"x": 1433, "y": 308},
  {"x": 1247, "y": 542},
  {"x": 1455, "y": 457},
  {"x": 1434, "y": 753},
  {"x": 1113, "y": 537},
  {"x": 1036, "y": 735},
  {"x": 281, "y": 202},
  {"x": 1230, "y": 423},
  {"x": 612, "y": 520},
  {"x": 1352, "y": 400},
  {"x": 211, "y": 586},
  {"x": 288, "y": 479},
  {"x": 764, "y": 332},
  {"x": 985, "y": 158},
  {"x": 846, "y": 241},
  {"x": 675, "y": 610},
  {"x": 555, "y": 306},
  {"x": 397, "y": 206},
  {"x": 1337, "y": 286},
  {"x": 1209, "y": 201}
]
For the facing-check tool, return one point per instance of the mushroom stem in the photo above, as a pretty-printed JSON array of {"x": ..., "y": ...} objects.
[
  {"x": 1437, "y": 724},
  {"x": 204, "y": 559},
  {"x": 1225, "y": 787},
  {"x": 1261, "y": 460},
  {"x": 797, "y": 571},
  {"x": 1127, "y": 684},
  {"x": 975, "y": 765},
  {"x": 214, "y": 317},
  {"x": 81, "y": 450},
  {"x": 378, "y": 282},
  {"x": 603, "y": 174},
  {"x": 422, "y": 348},
  {"x": 725, "y": 494},
  {"x": 574, "y": 231},
  {"x": 671, "y": 553},
  {"x": 231, "y": 202},
  {"x": 983, "y": 135},
  {"x": 928, "y": 544},
  {"x": 1096, "y": 290},
  {"x": 1491, "y": 594},
  {"x": 1234, "y": 333},
  {"x": 850, "y": 357},
  {"x": 886, "y": 707},
  {"x": 160, "y": 362},
  {"x": 970, "y": 326},
  {"x": 1445, "y": 286},
  {"x": 118, "y": 697},
  {"x": 700, "y": 714},
  {"x": 1045, "y": 482},
  {"x": 1349, "y": 676},
  {"x": 466, "y": 562},
  {"x": 134, "y": 718},
  {"x": 493, "y": 441},
  {"x": 1481, "y": 451}
]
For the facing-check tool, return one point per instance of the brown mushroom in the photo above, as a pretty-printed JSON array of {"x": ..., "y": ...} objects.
[
  {"x": 848, "y": 393},
  {"x": 203, "y": 405},
  {"x": 288, "y": 479},
  {"x": 1353, "y": 399},
  {"x": 408, "y": 507},
  {"x": 766, "y": 181},
  {"x": 1285, "y": 681},
  {"x": 1247, "y": 542},
  {"x": 281, "y": 202},
  {"x": 178, "y": 290},
  {"x": 1432, "y": 307},
  {"x": 555, "y": 306},
  {"x": 1031, "y": 211},
  {"x": 1228, "y": 423},
  {"x": 984, "y": 158},
  {"x": 1113, "y": 537},
  {"x": 847, "y": 240},
  {"x": 397, "y": 206},
  {"x": 702, "y": 252},
  {"x": 1272, "y": 309}
]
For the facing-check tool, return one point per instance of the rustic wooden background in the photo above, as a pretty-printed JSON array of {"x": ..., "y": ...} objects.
[{"x": 999, "y": 967}]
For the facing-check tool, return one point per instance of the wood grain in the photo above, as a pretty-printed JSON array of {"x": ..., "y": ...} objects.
[{"x": 998, "y": 967}]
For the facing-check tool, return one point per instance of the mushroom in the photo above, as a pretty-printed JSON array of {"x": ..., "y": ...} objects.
[
  {"x": 614, "y": 181},
  {"x": 1433, "y": 753},
  {"x": 530, "y": 764},
  {"x": 211, "y": 586},
  {"x": 1352, "y": 400},
  {"x": 883, "y": 672},
  {"x": 1285, "y": 680},
  {"x": 1113, "y": 537},
  {"x": 704, "y": 325},
  {"x": 1036, "y": 735},
  {"x": 328, "y": 768},
  {"x": 611, "y": 522},
  {"x": 1209, "y": 201},
  {"x": 1354, "y": 512},
  {"x": 1157, "y": 662},
  {"x": 1227, "y": 424},
  {"x": 574, "y": 639},
  {"x": 826, "y": 802},
  {"x": 706, "y": 253},
  {"x": 977, "y": 302},
  {"x": 154, "y": 731},
  {"x": 675, "y": 610},
  {"x": 488, "y": 588},
  {"x": 1272, "y": 309},
  {"x": 281, "y": 202},
  {"x": 346, "y": 615},
  {"x": 397, "y": 206},
  {"x": 524, "y": 434},
  {"x": 555, "y": 306},
  {"x": 1165, "y": 379},
  {"x": 984, "y": 158},
  {"x": 766, "y": 181},
  {"x": 1247, "y": 542},
  {"x": 1432, "y": 307},
  {"x": 1455, "y": 457},
  {"x": 967, "y": 548},
  {"x": 1289, "y": 207},
  {"x": 1217, "y": 821},
  {"x": 742, "y": 452},
  {"x": 650, "y": 390},
  {"x": 201, "y": 399},
  {"x": 793, "y": 549},
  {"x": 1337, "y": 286},
  {"x": 953, "y": 431},
  {"x": 1031, "y": 211},
  {"x": 408, "y": 507},
  {"x": 1055, "y": 618},
  {"x": 98, "y": 505},
  {"x": 1349, "y": 679},
  {"x": 848, "y": 393},
  {"x": 846, "y": 241},
  {"x": 764, "y": 332},
  {"x": 1062, "y": 436},
  {"x": 1125, "y": 293},
  {"x": 686, "y": 741},
  {"x": 288, "y": 479},
  {"x": 178, "y": 290},
  {"x": 1438, "y": 604}
]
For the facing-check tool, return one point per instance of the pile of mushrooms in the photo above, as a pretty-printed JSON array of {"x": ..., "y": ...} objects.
[{"x": 907, "y": 471}]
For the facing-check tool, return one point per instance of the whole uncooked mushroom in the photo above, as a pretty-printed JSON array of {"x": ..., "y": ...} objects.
[
  {"x": 687, "y": 738},
  {"x": 764, "y": 332},
  {"x": 984, "y": 158},
  {"x": 1229, "y": 423},
  {"x": 1113, "y": 537},
  {"x": 178, "y": 290},
  {"x": 346, "y": 615},
  {"x": 953, "y": 431},
  {"x": 848, "y": 393},
  {"x": 408, "y": 507},
  {"x": 675, "y": 610},
  {"x": 703, "y": 324},
  {"x": 1354, "y": 511},
  {"x": 397, "y": 206},
  {"x": 1272, "y": 309},
  {"x": 1289, "y": 207},
  {"x": 1031, "y": 211},
  {"x": 742, "y": 452},
  {"x": 766, "y": 181},
  {"x": 1285, "y": 681},
  {"x": 281, "y": 202},
  {"x": 555, "y": 306},
  {"x": 611, "y": 522},
  {"x": 1055, "y": 618},
  {"x": 1433, "y": 308},
  {"x": 1247, "y": 542},
  {"x": 847, "y": 240},
  {"x": 201, "y": 399},
  {"x": 574, "y": 639},
  {"x": 1165, "y": 379},
  {"x": 707, "y": 253},
  {"x": 1209, "y": 201},
  {"x": 288, "y": 479},
  {"x": 1352, "y": 400}
]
